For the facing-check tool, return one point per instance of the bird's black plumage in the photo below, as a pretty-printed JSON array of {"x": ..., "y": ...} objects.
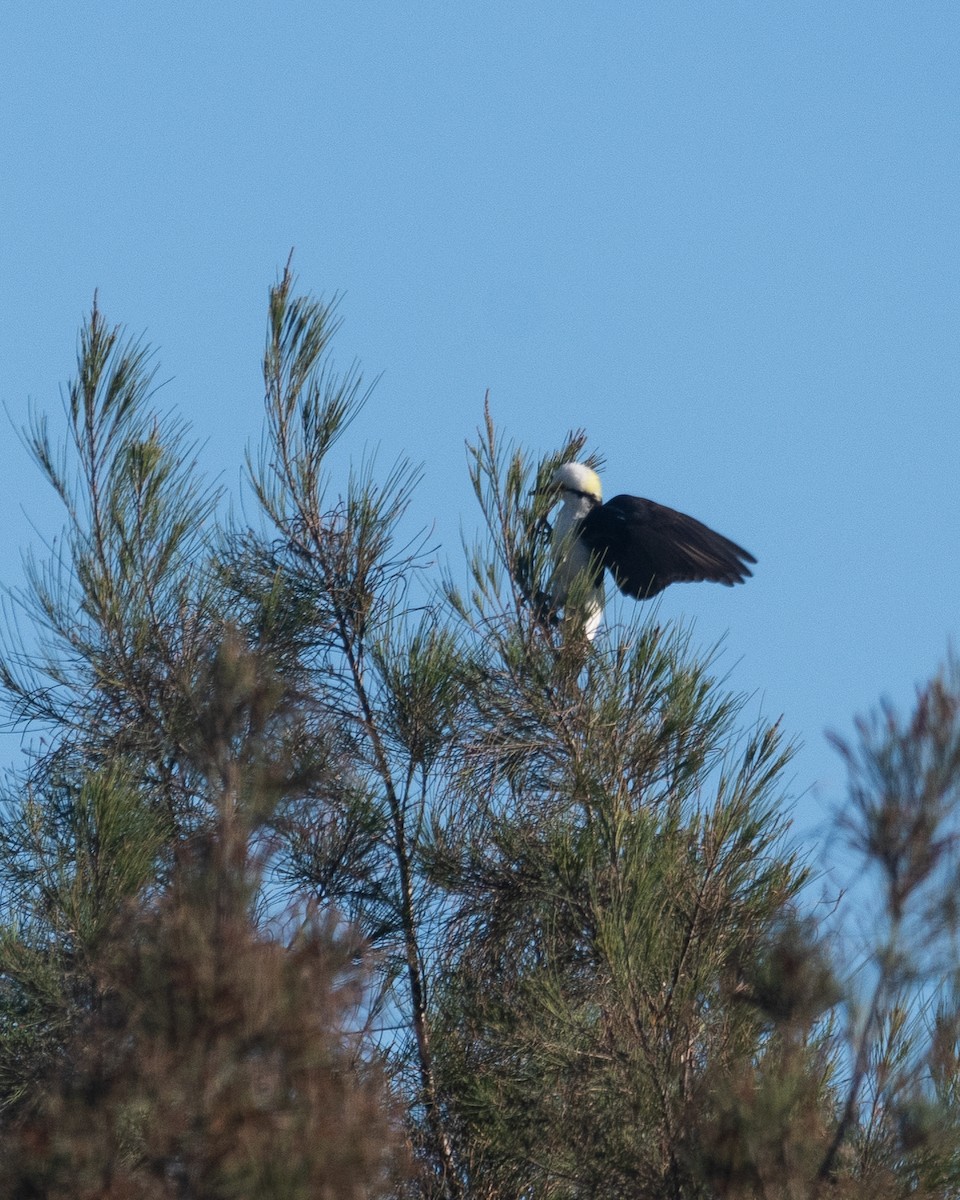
[{"x": 647, "y": 546}]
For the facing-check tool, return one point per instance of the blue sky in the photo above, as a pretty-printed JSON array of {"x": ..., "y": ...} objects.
[{"x": 723, "y": 237}]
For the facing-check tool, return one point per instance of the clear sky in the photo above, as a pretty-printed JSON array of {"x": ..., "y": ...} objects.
[{"x": 721, "y": 236}]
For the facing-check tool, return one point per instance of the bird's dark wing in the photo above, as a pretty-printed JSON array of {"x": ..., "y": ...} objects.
[{"x": 647, "y": 546}]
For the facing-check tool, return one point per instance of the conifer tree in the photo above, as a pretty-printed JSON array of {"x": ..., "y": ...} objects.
[
  {"x": 212, "y": 1058},
  {"x": 551, "y": 924}
]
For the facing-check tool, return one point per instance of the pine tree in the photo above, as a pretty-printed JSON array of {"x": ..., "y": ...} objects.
[
  {"x": 211, "y": 1057},
  {"x": 316, "y": 847}
]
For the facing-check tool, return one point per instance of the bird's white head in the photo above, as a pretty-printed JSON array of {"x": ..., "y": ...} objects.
[{"x": 577, "y": 479}]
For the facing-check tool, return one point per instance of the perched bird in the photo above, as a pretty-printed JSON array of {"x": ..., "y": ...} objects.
[{"x": 644, "y": 545}]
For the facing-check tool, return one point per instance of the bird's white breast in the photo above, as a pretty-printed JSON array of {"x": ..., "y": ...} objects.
[{"x": 571, "y": 556}]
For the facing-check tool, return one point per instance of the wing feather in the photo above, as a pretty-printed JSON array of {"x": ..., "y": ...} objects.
[{"x": 647, "y": 546}]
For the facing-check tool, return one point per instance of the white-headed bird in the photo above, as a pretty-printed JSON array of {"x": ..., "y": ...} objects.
[{"x": 644, "y": 545}]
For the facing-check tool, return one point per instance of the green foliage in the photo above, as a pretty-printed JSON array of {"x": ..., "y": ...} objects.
[
  {"x": 125, "y": 608},
  {"x": 623, "y": 854},
  {"x": 73, "y": 854},
  {"x": 212, "y": 1059},
  {"x": 315, "y": 851}
]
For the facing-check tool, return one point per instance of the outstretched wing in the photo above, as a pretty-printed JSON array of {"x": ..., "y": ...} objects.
[{"x": 647, "y": 546}]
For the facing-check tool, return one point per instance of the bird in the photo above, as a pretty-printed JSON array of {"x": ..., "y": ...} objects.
[{"x": 644, "y": 545}]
